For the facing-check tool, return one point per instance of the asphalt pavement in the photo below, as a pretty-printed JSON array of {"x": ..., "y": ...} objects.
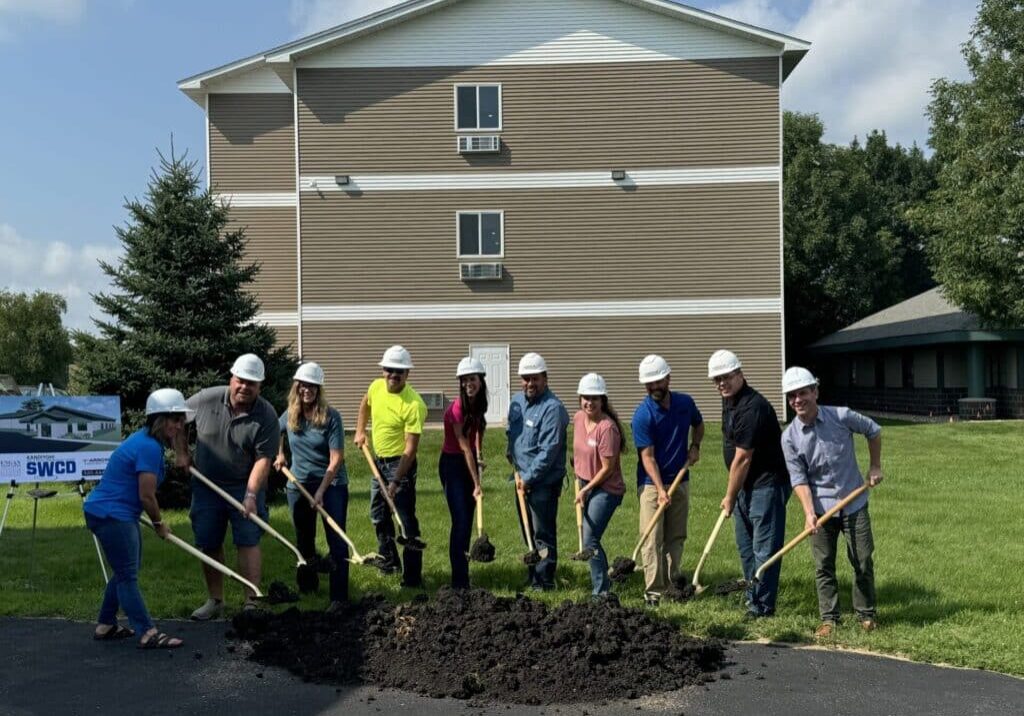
[{"x": 53, "y": 667}]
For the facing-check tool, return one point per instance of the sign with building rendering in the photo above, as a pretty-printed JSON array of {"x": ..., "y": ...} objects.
[{"x": 57, "y": 438}]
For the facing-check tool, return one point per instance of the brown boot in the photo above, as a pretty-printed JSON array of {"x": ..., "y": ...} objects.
[
  {"x": 825, "y": 630},
  {"x": 868, "y": 624}
]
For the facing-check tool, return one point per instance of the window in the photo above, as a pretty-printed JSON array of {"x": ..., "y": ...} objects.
[
  {"x": 477, "y": 107},
  {"x": 481, "y": 234}
]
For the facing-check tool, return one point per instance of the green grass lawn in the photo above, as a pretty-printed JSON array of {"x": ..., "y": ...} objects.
[{"x": 947, "y": 524}]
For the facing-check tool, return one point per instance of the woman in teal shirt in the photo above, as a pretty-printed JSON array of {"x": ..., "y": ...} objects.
[
  {"x": 112, "y": 511},
  {"x": 315, "y": 435}
]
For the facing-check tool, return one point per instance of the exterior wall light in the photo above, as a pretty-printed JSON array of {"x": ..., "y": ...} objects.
[
  {"x": 341, "y": 179},
  {"x": 618, "y": 174}
]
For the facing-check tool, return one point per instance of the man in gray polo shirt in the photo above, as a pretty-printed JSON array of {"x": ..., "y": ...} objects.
[
  {"x": 819, "y": 451},
  {"x": 236, "y": 442}
]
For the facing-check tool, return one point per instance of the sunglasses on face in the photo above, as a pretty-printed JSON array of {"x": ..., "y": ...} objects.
[
  {"x": 719, "y": 379},
  {"x": 395, "y": 371},
  {"x": 309, "y": 387}
]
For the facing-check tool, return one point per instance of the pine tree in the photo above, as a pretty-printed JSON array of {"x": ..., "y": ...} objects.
[{"x": 180, "y": 313}]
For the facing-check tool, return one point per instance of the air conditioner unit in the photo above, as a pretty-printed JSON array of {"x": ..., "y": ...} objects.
[
  {"x": 479, "y": 143},
  {"x": 480, "y": 272},
  {"x": 433, "y": 401}
]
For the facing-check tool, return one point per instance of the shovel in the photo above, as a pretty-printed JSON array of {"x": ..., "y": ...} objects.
[
  {"x": 178, "y": 542},
  {"x": 414, "y": 543},
  {"x": 482, "y": 549},
  {"x": 803, "y": 535},
  {"x": 583, "y": 555},
  {"x": 300, "y": 560},
  {"x": 371, "y": 558},
  {"x": 533, "y": 556},
  {"x": 622, "y": 567},
  {"x": 697, "y": 588}
]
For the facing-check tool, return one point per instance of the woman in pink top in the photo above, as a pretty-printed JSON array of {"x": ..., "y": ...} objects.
[
  {"x": 596, "y": 446},
  {"x": 460, "y": 464}
]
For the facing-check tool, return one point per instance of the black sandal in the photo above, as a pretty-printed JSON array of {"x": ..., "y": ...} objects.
[
  {"x": 115, "y": 632},
  {"x": 160, "y": 641}
]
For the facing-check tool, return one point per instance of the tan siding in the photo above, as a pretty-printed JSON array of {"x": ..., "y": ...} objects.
[
  {"x": 252, "y": 142},
  {"x": 587, "y": 116},
  {"x": 572, "y": 347},
  {"x": 596, "y": 243},
  {"x": 270, "y": 234},
  {"x": 287, "y": 336}
]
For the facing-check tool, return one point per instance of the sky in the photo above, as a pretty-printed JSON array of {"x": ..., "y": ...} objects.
[{"x": 90, "y": 98}]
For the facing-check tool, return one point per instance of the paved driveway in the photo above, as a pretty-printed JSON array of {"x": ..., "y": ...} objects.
[{"x": 50, "y": 666}]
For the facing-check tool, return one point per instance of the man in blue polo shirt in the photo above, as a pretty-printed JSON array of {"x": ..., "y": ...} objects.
[{"x": 661, "y": 430}]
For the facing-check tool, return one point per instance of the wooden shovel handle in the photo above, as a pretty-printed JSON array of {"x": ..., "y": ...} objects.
[
  {"x": 356, "y": 557},
  {"x": 480, "y": 516},
  {"x": 579, "y": 511},
  {"x": 803, "y": 535},
  {"x": 251, "y": 516},
  {"x": 661, "y": 509},
  {"x": 383, "y": 487},
  {"x": 524, "y": 514},
  {"x": 206, "y": 559},
  {"x": 722, "y": 516}
]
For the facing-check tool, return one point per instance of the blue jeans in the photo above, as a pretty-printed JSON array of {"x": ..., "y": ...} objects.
[
  {"x": 458, "y": 491},
  {"x": 122, "y": 544},
  {"x": 304, "y": 519},
  {"x": 597, "y": 511},
  {"x": 760, "y": 523},
  {"x": 405, "y": 505},
  {"x": 542, "y": 509}
]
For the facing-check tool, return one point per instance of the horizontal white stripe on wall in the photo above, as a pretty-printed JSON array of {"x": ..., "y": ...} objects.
[
  {"x": 539, "y": 309},
  {"x": 542, "y": 180},
  {"x": 278, "y": 318},
  {"x": 256, "y": 199}
]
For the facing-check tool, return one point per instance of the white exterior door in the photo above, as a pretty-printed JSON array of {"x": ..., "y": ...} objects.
[{"x": 495, "y": 360}]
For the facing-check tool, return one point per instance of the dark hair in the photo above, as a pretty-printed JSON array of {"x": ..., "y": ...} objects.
[
  {"x": 608, "y": 410},
  {"x": 155, "y": 426},
  {"x": 473, "y": 410}
]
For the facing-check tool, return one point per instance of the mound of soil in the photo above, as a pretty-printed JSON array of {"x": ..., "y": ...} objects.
[
  {"x": 622, "y": 567},
  {"x": 729, "y": 587},
  {"x": 279, "y": 593},
  {"x": 472, "y": 644}
]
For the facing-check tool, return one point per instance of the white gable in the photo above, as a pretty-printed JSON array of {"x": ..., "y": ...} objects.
[
  {"x": 520, "y": 32},
  {"x": 261, "y": 80}
]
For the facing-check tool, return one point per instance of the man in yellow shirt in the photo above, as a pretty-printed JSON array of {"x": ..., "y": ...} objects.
[{"x": 396, "y": 413}]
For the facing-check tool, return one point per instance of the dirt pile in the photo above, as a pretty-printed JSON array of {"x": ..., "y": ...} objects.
[{"x": 472, "y": 644}]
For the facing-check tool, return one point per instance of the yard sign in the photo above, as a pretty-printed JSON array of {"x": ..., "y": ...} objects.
[{"x": 57, "y": 438}]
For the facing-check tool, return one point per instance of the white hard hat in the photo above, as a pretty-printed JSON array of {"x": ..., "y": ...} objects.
[
  {"x": 796, "y": 378},
  {"x": 249, "y": 367},
  {"x": 532, "y": 364},
  {"x": 396, "y": 357},
  {"x": 168, "y": 400},
  {"x": 653, "y": 368},
  {"x": 310, "y": 373},
  {"x": 470, "y": 366},
  {"x": 722, "y": 362},
  {"x": 592, "y": 384}
]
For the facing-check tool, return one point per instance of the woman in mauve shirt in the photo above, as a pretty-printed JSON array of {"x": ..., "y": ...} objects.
[
  {"x": 596, "y": 446},
  {"x": 460, "y": 464}
]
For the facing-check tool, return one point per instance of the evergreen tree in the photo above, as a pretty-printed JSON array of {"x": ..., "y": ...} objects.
[
  {"x": 977, "y": 212},
  {"x": 180, "y": 313}
]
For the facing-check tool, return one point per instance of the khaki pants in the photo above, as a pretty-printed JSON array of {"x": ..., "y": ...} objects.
[{"x": 663, "y": 551}]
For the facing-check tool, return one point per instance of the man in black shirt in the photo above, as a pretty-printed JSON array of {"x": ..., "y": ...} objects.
[{"x": 758, "y": 487}]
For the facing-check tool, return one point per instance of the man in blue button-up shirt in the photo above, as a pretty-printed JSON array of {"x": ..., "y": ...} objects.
[
  {"x": 819, "y": 451},
  {"x": 536, "y": 448}
]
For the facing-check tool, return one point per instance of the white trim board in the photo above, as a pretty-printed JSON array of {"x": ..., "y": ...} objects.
[
  {"x": 248, "y": 199},
  {"x": 539, "y": 309},
  {"x": 543, "y": 180},
  {"x": 278, "y": 318}
]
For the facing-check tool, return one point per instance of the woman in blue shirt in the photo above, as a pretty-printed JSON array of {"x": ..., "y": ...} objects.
[
  {"x": 112, "y": 511},
  {"x": 315, "y": 435}
]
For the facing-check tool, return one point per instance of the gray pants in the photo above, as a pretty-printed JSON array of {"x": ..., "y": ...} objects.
[{"x": 860, "y": 545}]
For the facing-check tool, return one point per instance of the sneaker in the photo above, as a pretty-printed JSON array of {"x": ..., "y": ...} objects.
[
  {"x": 250, "y": 604},
  {"x": 211, "y": 609},
  {"x": 868, "y": 624},
  {"x": 825, "y": 630},
  {"x": 652, "y": 601}
]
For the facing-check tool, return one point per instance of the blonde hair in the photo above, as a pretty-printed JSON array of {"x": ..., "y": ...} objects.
[{"x": 295, "y": 415}]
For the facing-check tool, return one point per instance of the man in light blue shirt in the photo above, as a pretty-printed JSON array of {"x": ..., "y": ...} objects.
[
  {"x": 819, "y": 451},
  {"x": 537, "y": 421}
]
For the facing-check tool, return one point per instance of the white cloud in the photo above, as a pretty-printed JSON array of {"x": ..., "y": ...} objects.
[
  {"x": 871, "y": 64},
  {"x": 762, "y": 13},
  {"x": 309, "y": 16},
  {"x": 71, "y": 271}
]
